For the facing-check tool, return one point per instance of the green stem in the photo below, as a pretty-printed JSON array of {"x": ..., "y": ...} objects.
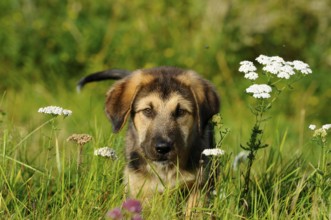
[
  {"x": 31, "y": 133},
  {"x": 79, "y": 156},
  {"x": 323, "y": 158}
]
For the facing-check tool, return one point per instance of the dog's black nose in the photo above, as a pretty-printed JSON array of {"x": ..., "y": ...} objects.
[{"x": 163, "y": 147}]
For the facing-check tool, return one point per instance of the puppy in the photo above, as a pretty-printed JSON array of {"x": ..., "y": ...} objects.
[{"x": 168, "y": 110}]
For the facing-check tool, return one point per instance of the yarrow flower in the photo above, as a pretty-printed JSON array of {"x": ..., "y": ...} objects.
[
  {"x": 213, "y": 152},
  {"x": 259, "y": 91},
  {"x": 55, "y": 110},
  {"x": 301, "y": 66},
  {"x": 273, "y": 67},
  {"x": 326, "y": 126},
  {"x": 281, "y": 68},
  {"x": 312, "y": 127},
  {"x": 251, "y": 75},
  {"x": 249, "y": 69},
  {"x": 320, "y": 132},
  {"x": 246, "y": 66},
  {"x": 262, "y": 59},
  {"x": 105, "y": 152},
  {"x": 285, "y": 72}
]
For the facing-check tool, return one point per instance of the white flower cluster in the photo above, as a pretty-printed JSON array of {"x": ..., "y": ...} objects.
[
  {"x": 55, "y": 110},
  {"x": 249, "y": 69},
  {"x": 320, "y": 132},
  {"x": 301, "y": 66},
  {"x": 274, "y": 65},
  {"x": 259, "y": 91},
  {"x": 105, "y": 152},
  {"x": 325, "y": 127},
  {"x": 213, "y": 152},
  {"x": 281, "y": 68}
]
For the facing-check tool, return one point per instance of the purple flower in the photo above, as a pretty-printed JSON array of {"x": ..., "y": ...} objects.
[
  {"x": 115, "y": 213},
  {"x": 132, "y": 205}
]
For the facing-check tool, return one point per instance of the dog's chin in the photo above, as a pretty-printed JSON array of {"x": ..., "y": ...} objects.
[{"x": 162, "y": 160}]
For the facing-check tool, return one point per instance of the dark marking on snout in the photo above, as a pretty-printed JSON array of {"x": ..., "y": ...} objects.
[{"x": 135, "y": 161}]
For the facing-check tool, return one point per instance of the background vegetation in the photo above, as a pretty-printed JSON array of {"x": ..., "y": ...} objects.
[{"x": 47, "y": 46}]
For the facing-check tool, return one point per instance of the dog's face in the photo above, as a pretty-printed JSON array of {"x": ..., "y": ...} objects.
[
  {"x": 169, "y": 109},
  {"x": 164, "y": 123}
]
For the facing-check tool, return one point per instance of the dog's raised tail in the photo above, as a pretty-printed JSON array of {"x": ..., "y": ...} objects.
[{"x": 102, "y": 75}]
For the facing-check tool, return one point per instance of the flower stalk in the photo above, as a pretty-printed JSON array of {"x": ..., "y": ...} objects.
[
  {"x": 80, "y": 140},
  {"x": 276, "y": 71}
]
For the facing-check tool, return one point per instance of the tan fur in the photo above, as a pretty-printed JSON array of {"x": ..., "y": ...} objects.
[
  {"x": 164, "y": 109},
  {"x": 169, "y": 110},
  {"x": 156, "y": 178}
]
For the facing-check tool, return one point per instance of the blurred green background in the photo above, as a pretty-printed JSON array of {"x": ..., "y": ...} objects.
[{"x": 47, "y": 46}]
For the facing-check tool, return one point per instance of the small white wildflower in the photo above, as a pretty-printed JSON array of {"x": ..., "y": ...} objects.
[
  {"x": 301, "y": 66},
  {"x": 273, "y": 67},
  {"x": 55, "y": 110},
  {"x": 312, "y": 127},
  {"x": 213, "y": 152},
  {"x": 259, "y": 90},
  {"x": 246, "y": 66},
  {"x": 263, "y": 59},
  {"x": 320, "y": 133},
  {"x": 241, "y": 157},
  {"x": 285, "y": 71},
  {"x": 261, "y": 95},
  {"x": 105, "y": 152},
  {"x": 326, "y": 126},
  {"x": 66, "y": 112},
  {"x": 251, "y": 75},
  {"x": 277, "y": 59},
  {"x": 283, "y": 75}
]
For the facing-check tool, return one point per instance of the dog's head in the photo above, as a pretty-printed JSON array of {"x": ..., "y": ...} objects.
[{"x": 169, "y": 109}]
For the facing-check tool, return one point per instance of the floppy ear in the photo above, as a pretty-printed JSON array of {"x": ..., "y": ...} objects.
[
  {"x": 120, "y": 97},
  {"x": 206, "y": 98}
]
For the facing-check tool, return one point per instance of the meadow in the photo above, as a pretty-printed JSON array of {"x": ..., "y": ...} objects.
[{"x": 47, "y": 46}]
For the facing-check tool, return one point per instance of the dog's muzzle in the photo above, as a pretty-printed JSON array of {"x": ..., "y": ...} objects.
[{"x": 163, "y": 149}]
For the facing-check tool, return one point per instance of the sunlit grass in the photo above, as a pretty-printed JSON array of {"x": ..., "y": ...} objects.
[{"x": 284, "y": 181}]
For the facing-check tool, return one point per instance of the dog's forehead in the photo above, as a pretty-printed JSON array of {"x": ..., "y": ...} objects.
[
  {"x": 157, "y": 101},
  {"x": 165, "y": 82}
]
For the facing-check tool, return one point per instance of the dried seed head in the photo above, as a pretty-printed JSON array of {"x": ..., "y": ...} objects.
[{"x": 80, "y": 139}]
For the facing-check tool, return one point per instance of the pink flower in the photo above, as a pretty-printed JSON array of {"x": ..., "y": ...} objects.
[
  {"x": 132, "y": 205},
  {"x": 115, "y": 213}
]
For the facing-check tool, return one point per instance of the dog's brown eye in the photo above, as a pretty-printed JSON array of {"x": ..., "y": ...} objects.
[
  {"x": 179, "y": 112},
  {"x": 148, "y": 112}
]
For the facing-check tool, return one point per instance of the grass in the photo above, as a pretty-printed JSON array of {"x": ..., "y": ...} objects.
[{"x": 285, "y": 181}]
